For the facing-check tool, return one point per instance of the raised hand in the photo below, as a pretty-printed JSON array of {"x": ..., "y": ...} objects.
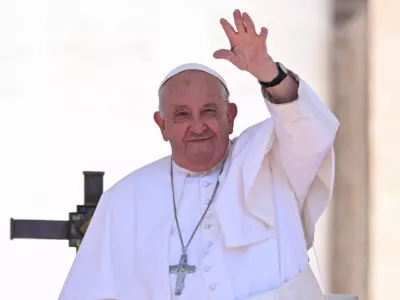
[{"x": 248, "y": 49}]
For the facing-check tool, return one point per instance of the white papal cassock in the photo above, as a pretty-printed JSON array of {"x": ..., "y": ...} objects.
[{"x": 276, "y": 183}]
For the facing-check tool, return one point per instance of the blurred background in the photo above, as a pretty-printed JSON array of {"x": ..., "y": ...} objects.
[{"x": 78, "y": 87}]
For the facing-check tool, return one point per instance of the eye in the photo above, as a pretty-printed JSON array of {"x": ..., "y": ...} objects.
[
  {"x": 209, "y": 112},
  {"x": 181, "y": 114}
]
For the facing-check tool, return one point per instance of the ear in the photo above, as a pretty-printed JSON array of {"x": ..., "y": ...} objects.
[
  {"x": 161, "y": 124},
  {"x": 231, "y": 113}
]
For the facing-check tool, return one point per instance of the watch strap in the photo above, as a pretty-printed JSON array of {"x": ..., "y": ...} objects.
[{"x": 277, "y": 80}]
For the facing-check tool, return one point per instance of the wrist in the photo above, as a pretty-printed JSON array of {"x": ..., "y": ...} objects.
[
  {"x": 281, "y": 76},
  {"x": 269, "y": 71}
]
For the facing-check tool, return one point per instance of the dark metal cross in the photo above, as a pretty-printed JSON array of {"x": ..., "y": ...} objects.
[
  {"x": 72, "y": 230},
  {"x": 181, "y": 270}
]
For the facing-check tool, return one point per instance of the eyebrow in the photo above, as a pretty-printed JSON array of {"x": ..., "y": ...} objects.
[
  {"x": 210, "y": 105},
  {"x": 178, "y": 107},
  {"x": 207, "y": 105}
]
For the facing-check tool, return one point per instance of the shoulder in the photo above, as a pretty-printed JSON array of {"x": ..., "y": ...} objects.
[
  {"x": 254, "y": 134},
  {"x": 262, "y": 126},
  {"x": 150, "y": 174}
]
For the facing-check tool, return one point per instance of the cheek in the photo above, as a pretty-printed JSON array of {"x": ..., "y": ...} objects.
[
  {"x": 176, "y": 133},
  {"x": 217, "y": 126}
]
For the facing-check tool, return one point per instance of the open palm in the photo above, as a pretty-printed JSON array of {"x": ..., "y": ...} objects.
[{"x": 248, "y": 49}]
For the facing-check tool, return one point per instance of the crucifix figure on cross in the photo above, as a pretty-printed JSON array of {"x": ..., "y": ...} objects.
[{"x": 181, "y": 270}]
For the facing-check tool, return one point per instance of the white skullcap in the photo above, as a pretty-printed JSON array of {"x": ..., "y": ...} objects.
[{"x": 193, "y": 66}]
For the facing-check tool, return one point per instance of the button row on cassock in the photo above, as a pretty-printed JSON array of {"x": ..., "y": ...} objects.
[{"x": 209, "y": 234}]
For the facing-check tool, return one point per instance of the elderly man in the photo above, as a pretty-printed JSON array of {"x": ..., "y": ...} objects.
[{"x": 218, "y": 219}]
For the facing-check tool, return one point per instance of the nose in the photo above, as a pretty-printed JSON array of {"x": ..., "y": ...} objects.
[{"x": 197, "y": 126}]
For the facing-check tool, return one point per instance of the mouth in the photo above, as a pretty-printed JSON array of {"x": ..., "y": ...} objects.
[{"x": 200, "y": 140}]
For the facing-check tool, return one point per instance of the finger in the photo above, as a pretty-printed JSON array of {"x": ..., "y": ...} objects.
[
  {"x": 263, "y": 33},
  {"x": 229, "y": 30},
  {"x": 237, "y": 17},
  {"x": 249, "y": 23},
  {"x": 226, "y": 54},
  {"x": 223, "y": 54}
]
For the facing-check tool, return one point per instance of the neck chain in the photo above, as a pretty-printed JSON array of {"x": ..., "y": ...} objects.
[{"x": 182, "y": 269}]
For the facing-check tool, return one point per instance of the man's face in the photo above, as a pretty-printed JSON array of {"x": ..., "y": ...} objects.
[{"x": 196, "y": 119}]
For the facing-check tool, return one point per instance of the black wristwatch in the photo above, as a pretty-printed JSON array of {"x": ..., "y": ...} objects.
[{"x": 282, "y": 73}]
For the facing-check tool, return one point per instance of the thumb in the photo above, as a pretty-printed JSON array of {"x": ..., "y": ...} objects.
[
  {"x": 225, "y": 54},
  {"x": 228, "y": 55}
]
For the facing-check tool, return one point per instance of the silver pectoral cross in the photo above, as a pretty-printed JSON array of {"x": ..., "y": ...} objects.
[{"x": 181, "y": 270}]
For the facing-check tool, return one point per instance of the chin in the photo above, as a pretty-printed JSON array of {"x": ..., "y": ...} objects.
[
  {"x": 203, "y": 156},
  {"x": 200, "y": 163}
]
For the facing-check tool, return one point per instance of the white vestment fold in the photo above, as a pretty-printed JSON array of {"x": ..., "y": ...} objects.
[{"x": 285, "y": 159}]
